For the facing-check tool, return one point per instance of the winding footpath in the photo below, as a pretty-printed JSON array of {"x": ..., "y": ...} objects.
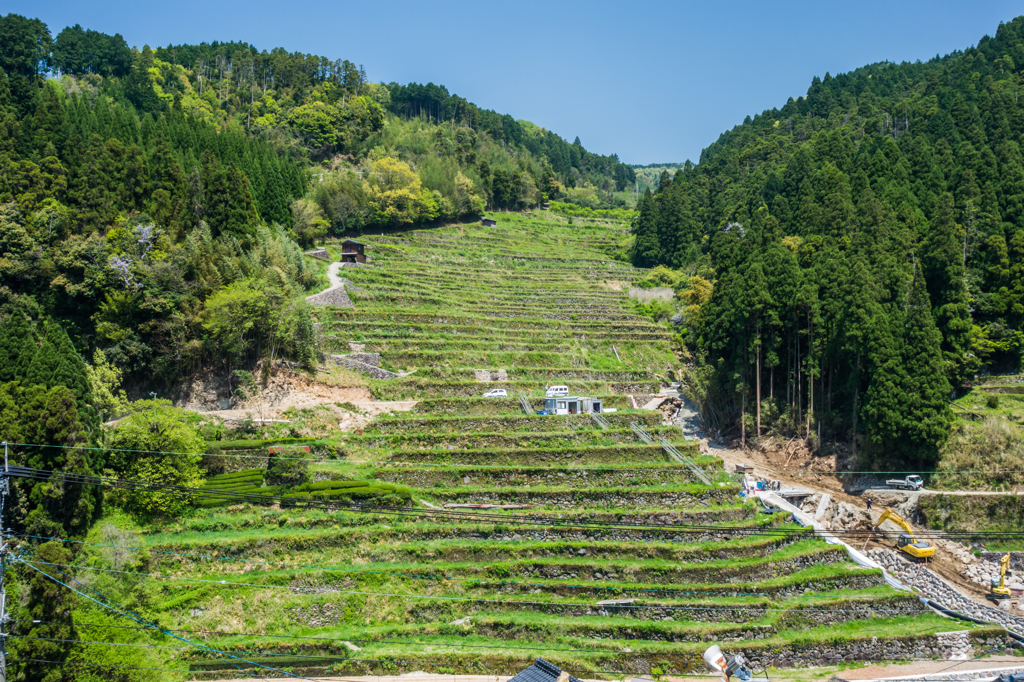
[{"x": 335, "y": 294}]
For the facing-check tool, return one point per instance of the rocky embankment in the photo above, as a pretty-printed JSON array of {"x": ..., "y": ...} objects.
[
  {"x": 986, "y": 569},
  {"x": 1009, "y": 614}
]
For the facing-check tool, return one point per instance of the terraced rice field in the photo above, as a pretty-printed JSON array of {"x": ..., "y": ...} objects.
[{"x": 621, "y": 562}]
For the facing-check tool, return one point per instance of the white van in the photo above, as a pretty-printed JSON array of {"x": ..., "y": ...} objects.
[
  {"x": 496, "y": 393},
  {"x": 556, "y": 391}
]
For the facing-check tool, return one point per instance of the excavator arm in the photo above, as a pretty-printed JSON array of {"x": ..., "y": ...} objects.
[
  {"x": 1001, "y": 591},
  {"x": 907, "y": 542}
]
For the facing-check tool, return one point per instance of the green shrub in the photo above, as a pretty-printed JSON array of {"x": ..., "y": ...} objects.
[
  {"x": 235, "y": 476},
  {"x": 659, "y": 277},
  {"x": 288, "y": 471},
  {"x": 992, "y": 402},
  {"x": 330, "y": 485}
]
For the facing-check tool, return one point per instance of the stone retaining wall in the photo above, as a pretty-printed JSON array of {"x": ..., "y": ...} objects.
[
  {"x": 437, "y": 440},
  {"x": 752, "y": 572},
  {"x": 575, "y": 498},
  {"x": 1016, "y": 559},
  {"x": 853, "y": 609},
  {"x": 523, "y": 545},
  {"x": 372, "y": 359},
  {"x": 375, "y": 372},
  {"x": 937, "y": 589},
  {"x": 651, "y": 611},
  {"x": 519, "y": 422},
  {"x": 335, "y": 296},
  {"x": 486, "y": 375},
  {"x": 944, "y": 646},
  {"x": 437, "y": 478},
  {"x": 625, "y": 453}
]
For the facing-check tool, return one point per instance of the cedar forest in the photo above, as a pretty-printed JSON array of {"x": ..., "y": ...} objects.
[{"x": 851, "y": 259}]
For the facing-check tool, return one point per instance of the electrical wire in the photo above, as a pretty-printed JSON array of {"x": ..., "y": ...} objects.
[
  {"x": 132, "y": 616},
  {"x": 139, "y": 486},
  {"x": 443, "y": 664},
  {"x": 300, "y": 654},
  {"x": 503, "y": 645},
  {"x": 666, "y": 465},
  {"x": 125, "y": 667},
  {"x": 480, "y": 581},
  {"x": 171, "y": 452},
  {"x": 187, "y": 648},
  {"x": 337, "y": 590}
]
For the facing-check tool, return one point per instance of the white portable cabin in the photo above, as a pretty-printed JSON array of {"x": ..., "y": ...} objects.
[{"x": 567, "y": 404}]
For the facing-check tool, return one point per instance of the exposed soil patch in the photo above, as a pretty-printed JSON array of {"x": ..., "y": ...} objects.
[
  {"x": 284, "y": 389},
  {"x": 794, "y": 463},
  {"x": 211, "y": 395}
]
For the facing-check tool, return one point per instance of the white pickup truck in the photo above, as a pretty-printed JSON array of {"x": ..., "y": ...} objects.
[{"x": 908, "y": 483}]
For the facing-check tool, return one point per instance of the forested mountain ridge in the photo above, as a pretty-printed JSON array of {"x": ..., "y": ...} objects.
[
  {"x": 831, "y": 225},
  {"x": 147, "y": 195}
]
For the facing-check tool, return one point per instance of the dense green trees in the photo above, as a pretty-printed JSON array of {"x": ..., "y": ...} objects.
[
  {"x": 204, "y": 147},
  {"x": 157, "y": 445},
  {"x": 78, "y": 51},
  {"x": 884, "y": 194}
]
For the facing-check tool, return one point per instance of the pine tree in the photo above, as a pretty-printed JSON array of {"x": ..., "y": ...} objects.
[
  {"x": 48, "y": 631},
  {"x": 71, "y": 372},
  {"x": 229, "y": 208},
  {"x": 646, "y": 247},
  {"x": 12, "y": 342},
  {"x": 925, "y": 393},
  {"x": 944, "y": 272},
  {"x": 44, "y": 365},
  {"x": 883, "y": 410},
  {"x": 49, "y": 119}
]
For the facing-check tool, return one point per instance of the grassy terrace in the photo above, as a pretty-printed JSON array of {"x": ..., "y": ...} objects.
[{"x": 607, "y": 517}]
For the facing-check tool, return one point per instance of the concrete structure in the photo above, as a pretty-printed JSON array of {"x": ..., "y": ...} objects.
[
  {"x": 489, "y": 222},
  {"x": 568, "y": 404}
]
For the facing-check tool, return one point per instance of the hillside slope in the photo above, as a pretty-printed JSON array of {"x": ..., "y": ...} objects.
[
  {"x": 828, "y": 224},
  {"x": 620, "y": 561},
  {"x": 142, "y": 189}
]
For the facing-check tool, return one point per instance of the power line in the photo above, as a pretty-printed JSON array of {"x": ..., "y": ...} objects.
[
  {"x": 445, "y": 664},
  {"x": 132, "y": 616},
  {"x": 660, "y": 466},
  {"x": 172, "y": 452},
  {"x": 126, "y": 667},
  {"x": 140, "y": 486},
  {"x": 186, "y": 648},
  {"x": 503, "y": 645},
  {"x": 392, "y": 573},
  {"x": 231, "y": 583}
]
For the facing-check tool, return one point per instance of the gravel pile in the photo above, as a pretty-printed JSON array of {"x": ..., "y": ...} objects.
[{"x": 937, "y": 589}]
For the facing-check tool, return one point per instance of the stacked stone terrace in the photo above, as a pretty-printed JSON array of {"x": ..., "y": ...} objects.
[{"x": 615, "y": 560}]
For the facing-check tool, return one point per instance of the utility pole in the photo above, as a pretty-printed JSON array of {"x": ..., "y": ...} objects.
[{"x": 4, "y": 482}]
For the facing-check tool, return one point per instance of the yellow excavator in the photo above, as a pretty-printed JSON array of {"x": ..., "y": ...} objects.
[
  {"x": 1000, "y": 590},
  {"x": 907, "y": 543}
]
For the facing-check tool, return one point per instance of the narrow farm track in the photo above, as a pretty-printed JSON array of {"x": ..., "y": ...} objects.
[{"x": 339, "y": 594}]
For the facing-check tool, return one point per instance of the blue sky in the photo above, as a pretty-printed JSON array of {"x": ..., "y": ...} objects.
[{"x": 652, "y": 82}]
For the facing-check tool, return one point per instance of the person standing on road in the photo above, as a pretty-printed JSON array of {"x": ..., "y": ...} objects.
[{"x": 869, "y": 503}]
